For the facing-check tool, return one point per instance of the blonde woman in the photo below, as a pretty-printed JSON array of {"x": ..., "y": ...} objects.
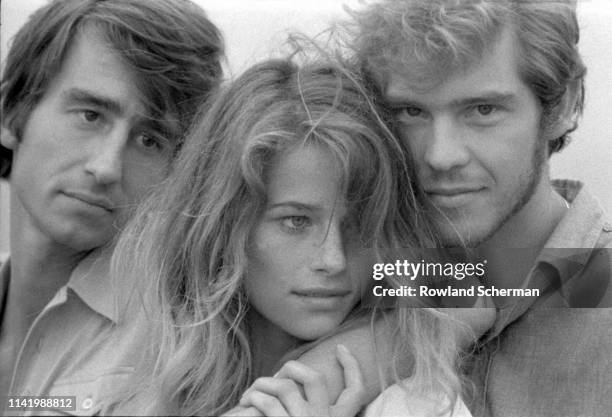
[{"x": 263, "y": 239}]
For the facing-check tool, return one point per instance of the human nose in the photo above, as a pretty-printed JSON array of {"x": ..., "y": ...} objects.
[
  {"x": 331, "y": 256},
  {"x": 106, "y": 161},
  {"x": 445, "y": 148}
]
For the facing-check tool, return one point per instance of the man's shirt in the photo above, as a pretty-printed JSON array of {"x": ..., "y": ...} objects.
[
  {"x": 553, "y": 356},
  {"x": 85, "y": 343}
]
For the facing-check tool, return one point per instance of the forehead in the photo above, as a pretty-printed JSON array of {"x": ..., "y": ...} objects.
[
  {"x": 92, "y": 65},
  {"x": 304, "y": 172},
  {"x": 496, "y": 71}
]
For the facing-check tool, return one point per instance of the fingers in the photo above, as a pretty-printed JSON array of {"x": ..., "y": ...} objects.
[
  {"x": 353, "y": 397},
  {"x": 352, "y": 372},
  {"x": 285, "y": 390},
  {"x": 243, "y": 412},
  {"x": 313, "y": 382},
  {"x": 267, "y": 404},
  {"x": 299, "y": 390}
]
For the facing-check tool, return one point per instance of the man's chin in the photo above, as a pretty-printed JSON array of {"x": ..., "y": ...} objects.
[{"x": 467, "y": 234}]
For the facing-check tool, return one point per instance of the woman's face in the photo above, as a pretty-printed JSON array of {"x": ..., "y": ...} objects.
[{"x": 307, "y": 268}]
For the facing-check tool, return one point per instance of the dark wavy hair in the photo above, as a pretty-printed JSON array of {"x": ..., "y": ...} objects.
[{"x": 170, "y": 44}]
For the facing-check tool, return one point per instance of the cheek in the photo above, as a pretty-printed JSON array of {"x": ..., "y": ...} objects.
[
  {"x": 521, "y": 134},
  {"x": 360, "y": 264},
  {"x": 265, "y": 280},
  {"x": 415, "y": 140},
  {"x": 34, "y": 165},
  {"x": 271, "y": 259},
  {"x": 515, "y": 160},
  {"x": 140, "y": 177},
  {"x": 277, "y": 251}
]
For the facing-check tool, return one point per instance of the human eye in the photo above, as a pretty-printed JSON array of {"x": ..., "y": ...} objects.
[
  {"x": 485, "y": 113},
  {"x": 89, "y": 118},
  {"x": 295, "y": 223},
  {"x": 151, "y": 142},
  {"x": 485, "y": 109},
  {"x": 411, "y": 111},
  {"x": 409, "y": 114}
]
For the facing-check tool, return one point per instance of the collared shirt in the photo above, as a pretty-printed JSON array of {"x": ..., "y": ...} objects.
[
  {"x": 85, "y": 343},
  {"x": 541, "y": 357}
]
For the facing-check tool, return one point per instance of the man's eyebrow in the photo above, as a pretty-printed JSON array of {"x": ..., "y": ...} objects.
[
  {"x": 82, "y": 96},
  {"x": 494, "y": 97},
  {"x": 485, "y": 98},
  {"x": 398, "y": 99}
]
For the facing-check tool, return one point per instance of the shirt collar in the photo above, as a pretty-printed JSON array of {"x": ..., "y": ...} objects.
[
  {"x": 91, "y": 281},
  {"x": 566, "y": 252},
  {"x": 582, "y": 224},
  {"x": 570, "y": 246}
]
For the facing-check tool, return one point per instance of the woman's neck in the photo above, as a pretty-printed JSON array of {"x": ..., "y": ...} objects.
[{"x": 270, "y": 344}]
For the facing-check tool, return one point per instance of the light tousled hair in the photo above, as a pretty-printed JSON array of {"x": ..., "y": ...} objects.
[
  {"x": 171, "y": 46},
  {"x": 425, "y": 40},
  {"x": 188, "y": 244}
]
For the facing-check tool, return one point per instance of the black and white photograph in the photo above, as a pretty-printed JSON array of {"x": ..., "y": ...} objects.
[{"x": 331, "y": 208}]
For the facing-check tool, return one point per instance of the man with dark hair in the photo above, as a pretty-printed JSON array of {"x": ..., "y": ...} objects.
[
  {"x": 484, "y": 92},
  {"x": 95, "y": 98}
]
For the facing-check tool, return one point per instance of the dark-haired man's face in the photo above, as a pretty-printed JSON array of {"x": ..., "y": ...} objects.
[
  {"x": 88, "y": 152},
  {"x": 477, "y": 142}
]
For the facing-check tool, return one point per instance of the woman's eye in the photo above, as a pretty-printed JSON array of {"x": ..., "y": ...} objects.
[
  {"x": 147, "y": 141},
  {"x": 412, "y": 111},
  {"x": 150, "y": 142},
  {"x": 295, "y": 223}
]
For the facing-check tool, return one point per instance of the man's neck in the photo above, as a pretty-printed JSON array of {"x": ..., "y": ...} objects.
[
  {"x": 512, "y": 251},
  {"x": 39, "y": 267}
]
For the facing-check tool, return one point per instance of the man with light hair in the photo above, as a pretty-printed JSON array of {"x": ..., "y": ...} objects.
[
  {"x": 95, "y": 98},
  {"x": 484, "y": 92}
]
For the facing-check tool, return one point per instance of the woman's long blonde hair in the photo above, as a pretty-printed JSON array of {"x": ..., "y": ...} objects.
[{"x": 187, "y": 244}]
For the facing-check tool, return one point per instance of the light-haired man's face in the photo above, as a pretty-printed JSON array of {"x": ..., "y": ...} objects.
[
  {"x": 88, "y": 151},
  {"x": 477, "y": 142}
]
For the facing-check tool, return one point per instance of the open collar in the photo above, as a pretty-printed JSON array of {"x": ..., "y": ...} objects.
[
  {"x": 565, "y": 254},
  {"x": 91, "y": 281}
]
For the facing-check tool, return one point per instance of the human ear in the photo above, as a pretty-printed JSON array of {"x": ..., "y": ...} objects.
[
  {"x": 566, "y": 113},
  {"x": 8, "y": 139}
]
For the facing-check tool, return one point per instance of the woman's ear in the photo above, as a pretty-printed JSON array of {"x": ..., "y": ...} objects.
[
  {"x": 8, "y": 139},
  {"x": 566, "y": 113}
]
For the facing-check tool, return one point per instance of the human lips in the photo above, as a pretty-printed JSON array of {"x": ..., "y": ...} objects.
[
  {"x": 453, "y": 196},
  {"x": 91, "y": 199},
  {"x": 322, "y": 297},
  {"x": 320, "y": 292}
]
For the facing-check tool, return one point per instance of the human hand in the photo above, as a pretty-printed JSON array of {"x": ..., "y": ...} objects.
[
  {"x": 239, "y": 411},
  {"x": 298, "y": 390}
]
